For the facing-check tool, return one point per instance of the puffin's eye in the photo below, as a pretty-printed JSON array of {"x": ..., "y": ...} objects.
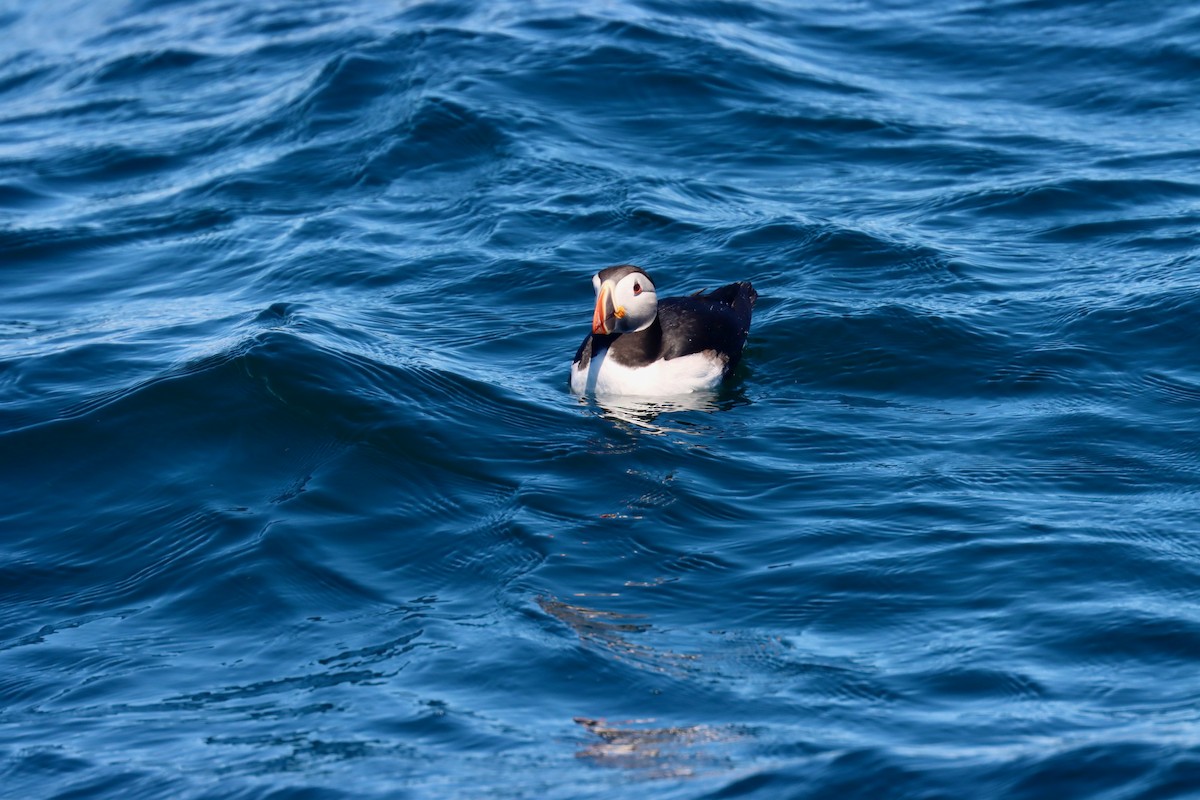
[{"x": 637, "y": 288}]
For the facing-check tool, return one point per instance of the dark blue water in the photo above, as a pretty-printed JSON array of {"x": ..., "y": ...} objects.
[{"x": 295, "y": 501}]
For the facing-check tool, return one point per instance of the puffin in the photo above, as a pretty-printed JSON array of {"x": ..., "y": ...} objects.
[{"x": 641, "y": 345}]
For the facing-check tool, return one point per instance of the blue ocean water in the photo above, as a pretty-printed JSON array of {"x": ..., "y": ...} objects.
[{"x": 295, "y": 501}]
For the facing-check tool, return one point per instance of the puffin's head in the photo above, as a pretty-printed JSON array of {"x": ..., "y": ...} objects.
[{"x": 625, "y": 300}]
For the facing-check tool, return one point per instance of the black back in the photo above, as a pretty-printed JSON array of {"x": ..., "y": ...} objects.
[{"x": 716, "y": 321}]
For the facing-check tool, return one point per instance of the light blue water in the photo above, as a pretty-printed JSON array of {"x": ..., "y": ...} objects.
[{"x": 295, "y": 502}]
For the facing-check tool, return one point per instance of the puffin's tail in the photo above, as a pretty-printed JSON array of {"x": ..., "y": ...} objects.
[{"x": 740, "y": 296}]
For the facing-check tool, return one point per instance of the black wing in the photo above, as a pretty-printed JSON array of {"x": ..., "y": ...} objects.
[{"x": 717, "y": 321}]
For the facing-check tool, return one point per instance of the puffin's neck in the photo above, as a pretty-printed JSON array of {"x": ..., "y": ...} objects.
[
  {"x": 634, "y": 347},
  {"x": 649, "y": 339}
]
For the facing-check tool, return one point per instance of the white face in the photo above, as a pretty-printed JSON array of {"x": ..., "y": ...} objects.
[{"x": 633, "y": 302}]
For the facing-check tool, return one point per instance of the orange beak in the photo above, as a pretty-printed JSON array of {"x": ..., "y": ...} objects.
[{"x": 605, "y": 311}]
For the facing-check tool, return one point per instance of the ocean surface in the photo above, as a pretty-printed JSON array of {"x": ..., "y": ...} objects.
[{"x": 295, "y": 501}]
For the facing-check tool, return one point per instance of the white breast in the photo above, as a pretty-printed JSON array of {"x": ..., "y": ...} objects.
[{"x": 691, "y": 373}]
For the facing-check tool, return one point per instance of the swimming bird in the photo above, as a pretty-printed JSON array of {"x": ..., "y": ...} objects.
[{"x": 642, "y": 345}]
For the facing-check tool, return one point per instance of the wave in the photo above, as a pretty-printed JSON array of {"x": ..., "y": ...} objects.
[{"x": 288, "y": 295}]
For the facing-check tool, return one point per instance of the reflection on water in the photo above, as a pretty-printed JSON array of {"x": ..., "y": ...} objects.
[
  {"x": 666, "y": 752},
  {"x": 643, "y": 413},
  {"x": 662, "y": 752},
  {"x": 610, "y": 630}
]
